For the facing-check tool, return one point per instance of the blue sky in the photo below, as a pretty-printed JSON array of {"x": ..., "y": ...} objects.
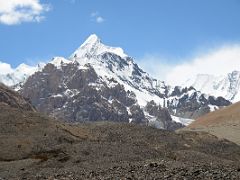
[{"x": 171, "y": 29}]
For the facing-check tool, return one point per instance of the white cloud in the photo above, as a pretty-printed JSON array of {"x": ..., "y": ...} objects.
[
  {"x": 18, "y": 11},
  {"x": 95, "y": 16},
  {"x": 155, "y": 66},
  {"x": 5, "y": 68},
  {"x": 100, "y": 19},
  {"x": 219, "y": 61}
]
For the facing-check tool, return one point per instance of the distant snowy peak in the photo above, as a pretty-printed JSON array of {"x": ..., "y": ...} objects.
[
  {"x": 26, "y": 69},
  {"x": 93, "y": 47},
  {"x": 16, "y": 77},
  {"x": 19, "y": 74},
  {"x": 227, "y": 86}
]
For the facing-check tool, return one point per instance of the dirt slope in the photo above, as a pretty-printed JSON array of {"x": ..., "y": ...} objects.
[{"x": 224, "y": 123}]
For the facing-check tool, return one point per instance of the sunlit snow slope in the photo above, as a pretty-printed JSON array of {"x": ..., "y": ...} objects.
[{"x": 227, "y": 86}]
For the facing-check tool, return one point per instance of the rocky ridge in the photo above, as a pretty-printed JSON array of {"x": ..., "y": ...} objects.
[{"x": 13, "y": 99}]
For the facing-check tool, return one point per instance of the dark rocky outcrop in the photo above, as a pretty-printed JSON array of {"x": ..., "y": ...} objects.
[
  {"x": 193, "y": 104},
  {"x": 11, "y": 98},
  {"x": 137, "y": 115},
  {"x": 162, "y": 116}
]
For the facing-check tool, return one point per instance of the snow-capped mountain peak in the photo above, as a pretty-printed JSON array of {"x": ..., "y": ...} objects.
[
  {"x": 58, "y": 61},
  {"x": 93, "y": 47},
  {"x": 92, "y": 39},
  {"x": 111, "y": 63}
]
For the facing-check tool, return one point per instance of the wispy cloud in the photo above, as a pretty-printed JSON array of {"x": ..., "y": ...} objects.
[
  {"x": 5, "y": 68},
  {"x": 95, "y": 16},
  {"x": 14, "y": 12},
  {"x": 100, "y": 19},
  {"x": 219, "y": 61},
  {"x": 71, "y": 1},
  {"x": 155, "y": 65}
]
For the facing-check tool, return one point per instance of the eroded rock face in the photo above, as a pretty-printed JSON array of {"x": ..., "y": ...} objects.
[
  {"x": 79, "y": 95},
  {"x": 189, "y": 103},
  {"x": 162, "y": 116},
  {"x": 10, "y": 98},
  {"x": 137, "y": 115}
]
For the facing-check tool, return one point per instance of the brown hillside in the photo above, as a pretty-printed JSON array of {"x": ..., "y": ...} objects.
[{"x": 224, "y": 123}]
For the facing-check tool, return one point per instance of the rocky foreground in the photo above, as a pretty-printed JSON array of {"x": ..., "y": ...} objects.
[{"x": 35, "y": 147}]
